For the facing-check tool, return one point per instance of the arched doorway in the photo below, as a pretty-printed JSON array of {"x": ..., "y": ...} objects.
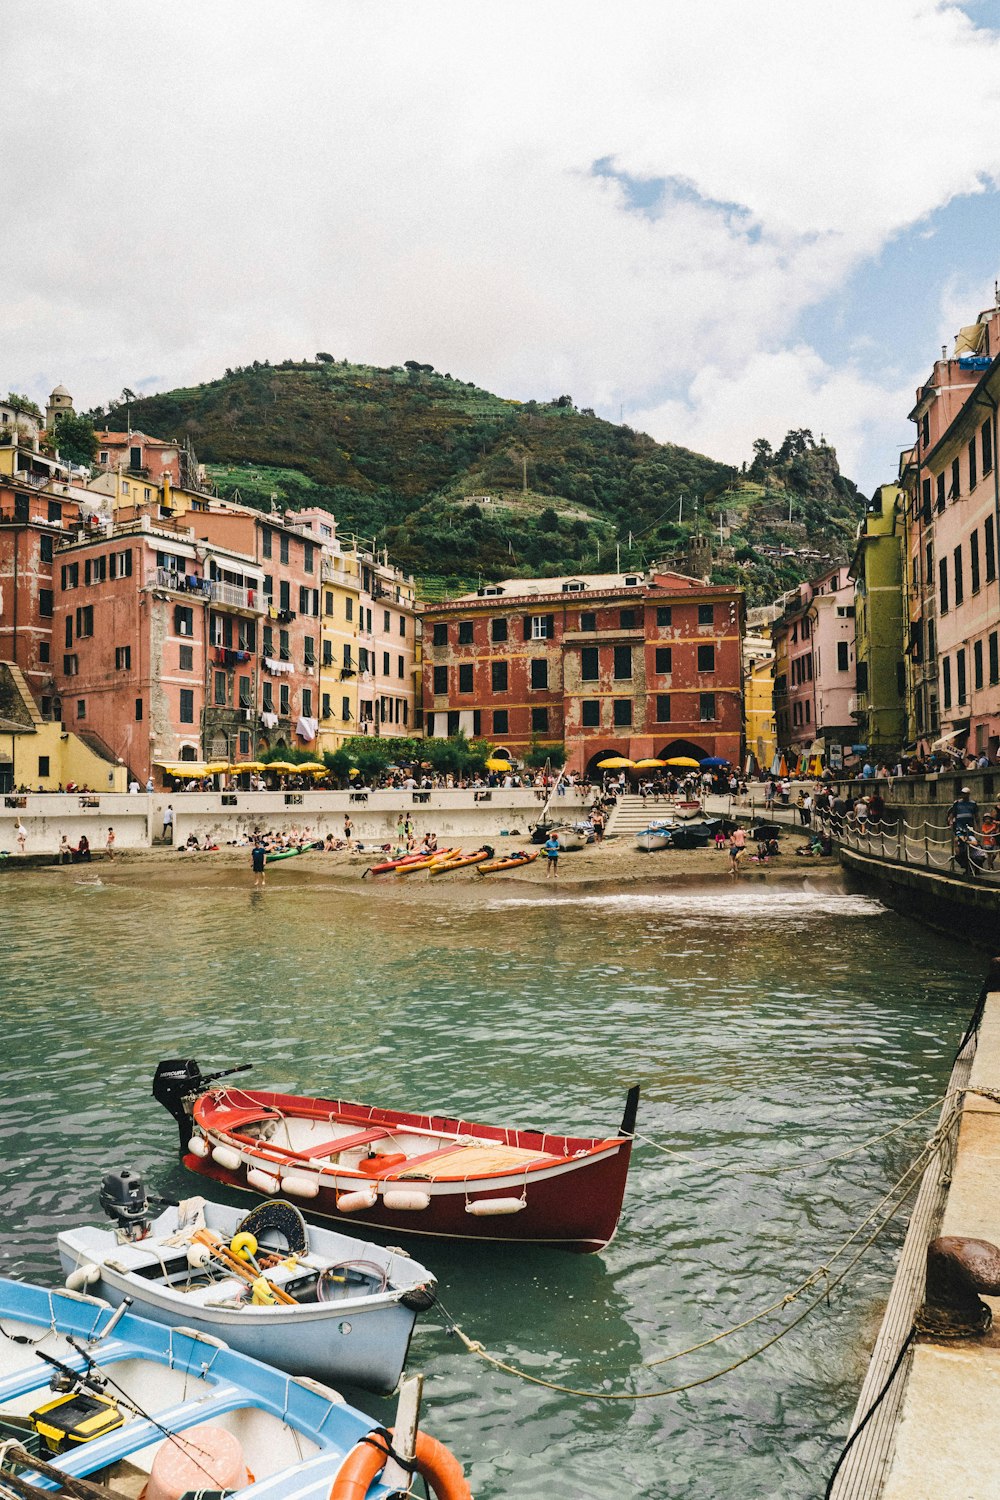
[
  {"x": 685, "y": 748},
  {"x": 591, "y": 772}
]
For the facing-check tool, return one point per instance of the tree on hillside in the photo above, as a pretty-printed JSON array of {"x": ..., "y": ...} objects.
[
  {"x": 324, "y": 359},
  {"x": 75, "y": 438}
]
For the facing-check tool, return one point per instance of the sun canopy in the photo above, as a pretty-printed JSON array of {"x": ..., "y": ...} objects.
[
  {"x": 493, "y": 764},
  {"x": 283, "y": 767},
  {"x": 246, "y": 765},
  {"x": 713, "y": 760},
  {"x": 614, "y": 763},
  {"x": 183, "y": 767},
  {"x": 311, "y": 765},
  {"x": 645, "y": 765},
  {"x": 683, "y": 760}
]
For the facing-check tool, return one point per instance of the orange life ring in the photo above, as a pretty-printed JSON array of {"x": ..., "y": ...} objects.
[{"x": 433, "y": 1460}]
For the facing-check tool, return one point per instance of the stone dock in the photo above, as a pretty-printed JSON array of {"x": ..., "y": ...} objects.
[{"x": 928, "y": 1431}]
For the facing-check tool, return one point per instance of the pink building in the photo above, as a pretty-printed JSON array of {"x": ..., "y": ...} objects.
[
  {"x": 139, "y": 454},
  {"x": 815, "y": 678},
  {"x": 953, "y": 517}
]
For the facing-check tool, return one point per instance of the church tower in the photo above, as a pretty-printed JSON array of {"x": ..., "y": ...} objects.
[{"x": 59, "y": 401}]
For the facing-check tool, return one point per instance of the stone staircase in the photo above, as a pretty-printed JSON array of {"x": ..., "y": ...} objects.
[{"x": 631, "y": 815}]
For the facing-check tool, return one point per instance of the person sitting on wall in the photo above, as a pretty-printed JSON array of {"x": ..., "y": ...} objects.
[{"x": 82, "y": 850}]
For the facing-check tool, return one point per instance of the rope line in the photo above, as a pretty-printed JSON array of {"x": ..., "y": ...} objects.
[{"x": 902, "y": 1189}]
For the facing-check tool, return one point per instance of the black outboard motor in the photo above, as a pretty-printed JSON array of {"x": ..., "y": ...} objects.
[
  {"x": 123, "y": 1198},
  {"x": 178, "y": 1080}
]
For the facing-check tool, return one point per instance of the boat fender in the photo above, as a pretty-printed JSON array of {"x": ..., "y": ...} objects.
[
  {"x": 243, "y": 1246},
  {"x": 226, "y": 1157},
  {"x": 484, "y": 1207},
  {"x": 299, "y": 1185},
  {"x": 431, "y": 1459},
  {"x": 418, "y": 1298},
  {"x": 199, "y": 1257},
  {"x": 350, "y": 1203},
  {"x": 406, "y": 1198},
  {"x": 198, "y": 1146},
  {"x": 87, "y": 1275},
  {"x": 264, "y": 1182}
]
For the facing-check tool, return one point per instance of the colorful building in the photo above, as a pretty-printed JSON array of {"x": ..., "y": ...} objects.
[
  {"x": 387, "y": 692},
  {"x": 815, "y": 684},
  {"x": 340, "y": 581},
  {"x": 879, "y": 643},
  {"x": 950, "y": 479},
  {"x": 39, "y": 755},
  {"x": 613, "y": 664},
  {"x": 138, "y": 454},
  {"x": 759, "y": 725}
]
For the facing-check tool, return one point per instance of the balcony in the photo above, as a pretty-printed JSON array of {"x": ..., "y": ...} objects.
[
  {"x": 232, "y": 596},
  {"x": 857, "y": 705},
  {"x": 179, "y": 583}
]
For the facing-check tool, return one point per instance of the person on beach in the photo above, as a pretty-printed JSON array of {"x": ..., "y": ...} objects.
[
  {"x": 65, "y": 851},
  {"x": 109, "y": 844},
  {"x": 551, "y": 852},
  {"x": 737, "y": 844},
  {"x": 21, "y": 834},
  {"x": 257, "y": 862},
  {"x": 168, "y": 822},
  {"x": 348, "y": 828}
]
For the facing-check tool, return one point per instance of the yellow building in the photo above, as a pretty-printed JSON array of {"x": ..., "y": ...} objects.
[
  {"x": 760, "y": 728},
  {"x": 339, "y": 665},
  {"x": 39, "y": 755}
]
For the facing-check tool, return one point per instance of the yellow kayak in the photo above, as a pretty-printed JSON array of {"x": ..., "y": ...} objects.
[
  {"x": 429, "y": 862},
  {"x": 460, "y": 862}
]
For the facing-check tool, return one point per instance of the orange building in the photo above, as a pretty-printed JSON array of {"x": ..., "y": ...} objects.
[{"x": 614, "y": 664}]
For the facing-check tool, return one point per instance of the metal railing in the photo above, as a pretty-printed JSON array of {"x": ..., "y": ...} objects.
[{"x": 919, "y": 843}]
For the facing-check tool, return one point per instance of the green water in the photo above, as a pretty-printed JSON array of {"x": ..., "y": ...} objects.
[{"x": 768, "y": 1028}]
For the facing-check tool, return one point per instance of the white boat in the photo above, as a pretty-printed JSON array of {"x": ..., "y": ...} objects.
[
  {"x": 311, "y": 1301},
  {"x": 684, "y": 807},
  {"x": 657, "y": 836},
  {"x": 570, "y": 837}
]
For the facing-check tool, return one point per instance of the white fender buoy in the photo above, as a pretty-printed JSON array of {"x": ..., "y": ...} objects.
[
  {"x": 350, "y": 1203},
  {"x": 227, "y": 1157},
  {"x": 264, "y": 1182},
  {"x": 199, "y": 1256},
  {"x": 83, "y": 1276},
  {"x": 484, "y": 1207},
  {"x": 299, "y": 1185},
  {"x": 198, "y": 1146},
  {"x": 408, "y": 1199}
]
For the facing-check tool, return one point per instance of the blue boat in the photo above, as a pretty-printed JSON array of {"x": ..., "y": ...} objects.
[{"x": 88, "y": 1391}]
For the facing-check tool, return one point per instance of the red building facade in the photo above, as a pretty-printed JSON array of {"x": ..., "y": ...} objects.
[
  {"x": 32, "y": 526},
  {"x": 643, "y": 666}
]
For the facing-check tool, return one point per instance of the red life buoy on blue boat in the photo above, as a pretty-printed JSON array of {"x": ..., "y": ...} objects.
[{"x": 433, "y": 1461}]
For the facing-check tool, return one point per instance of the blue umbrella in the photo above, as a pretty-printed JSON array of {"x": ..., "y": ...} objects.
[{"x": 714, "y": 760}]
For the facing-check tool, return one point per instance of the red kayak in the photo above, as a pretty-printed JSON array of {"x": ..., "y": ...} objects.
[
  {"x": 393, "y": 864},
  {"x": 418, "y": 1174}
]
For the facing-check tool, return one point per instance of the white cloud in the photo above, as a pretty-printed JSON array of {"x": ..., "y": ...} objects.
[{"x": 193, "y": 186}]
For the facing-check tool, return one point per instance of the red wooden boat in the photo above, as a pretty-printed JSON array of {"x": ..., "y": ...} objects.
[{"x": 418, "y": 1174}]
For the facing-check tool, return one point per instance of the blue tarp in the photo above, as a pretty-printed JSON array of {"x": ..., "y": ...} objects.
[{"x": 974, "y": 362}]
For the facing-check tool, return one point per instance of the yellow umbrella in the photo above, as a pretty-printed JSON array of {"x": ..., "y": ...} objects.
[
  {"x": 311, "y": 765},
  {"x": 493, "y": 764},
  {"x": 354, "y": 771},
  {"x": 184, "y": 768},
  {"x": 682, "y": 760},
  {"x": 246, "y": 765},
  {"x": 283, "y": 767},
  {"x": 644, "y": 765},
  {"x": 614, "y": 763},
  {"x": 216, "y": 767}
]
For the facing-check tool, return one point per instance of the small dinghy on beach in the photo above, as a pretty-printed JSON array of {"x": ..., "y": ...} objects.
[
  {"x": 310, "y": 1301},
  {"x": 410, "y": 1173}
]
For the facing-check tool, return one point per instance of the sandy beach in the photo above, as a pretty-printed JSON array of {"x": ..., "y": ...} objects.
[{"x": 614, "y": 863}]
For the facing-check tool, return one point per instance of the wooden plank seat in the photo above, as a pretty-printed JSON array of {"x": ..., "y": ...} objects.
[
  {"x": 472, "y": 1160},
  {"x": 345, "y": 1143}
]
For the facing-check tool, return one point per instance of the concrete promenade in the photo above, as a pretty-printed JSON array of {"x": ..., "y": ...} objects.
[
  {"x": 933, "y": 1437},
  {"x": 137, "y": 819}
]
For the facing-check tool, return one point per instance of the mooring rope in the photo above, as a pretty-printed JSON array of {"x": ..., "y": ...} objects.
[{"x": 901, "y": 1189}]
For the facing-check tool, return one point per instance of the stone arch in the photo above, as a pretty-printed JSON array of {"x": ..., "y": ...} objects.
[{"x": 687, "y": 748}]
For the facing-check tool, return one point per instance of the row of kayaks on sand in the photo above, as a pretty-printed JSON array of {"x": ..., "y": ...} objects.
[
  {"x": 443, "y": 861},
  {"x": 218, "y": 1388}
]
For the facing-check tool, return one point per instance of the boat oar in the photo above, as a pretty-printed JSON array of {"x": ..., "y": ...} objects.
[{"x": 239, "y": 1267}]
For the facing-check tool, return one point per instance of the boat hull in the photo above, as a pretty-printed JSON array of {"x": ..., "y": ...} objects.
[
  {"x": 580, "y": 1216},
  {"x": 651, "y": 841},
  {"x": 365, "y": 1347}
]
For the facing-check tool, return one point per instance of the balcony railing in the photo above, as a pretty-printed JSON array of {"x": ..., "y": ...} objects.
[
  {"x": 179, "y": 583},
  {"x": 233, "y": 596}
]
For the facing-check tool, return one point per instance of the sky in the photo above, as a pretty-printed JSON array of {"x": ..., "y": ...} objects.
[{"x": 713, "y": 219}]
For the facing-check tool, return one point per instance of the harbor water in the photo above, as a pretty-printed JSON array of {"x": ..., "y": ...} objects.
[{"x": 770, "y": 1028}]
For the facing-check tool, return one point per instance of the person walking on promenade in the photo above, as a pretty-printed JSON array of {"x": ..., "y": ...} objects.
[
  {"x": 737, "y": 844},
  {"x": 962, "y": 813},
  {"x": 168, "y": 822},
  {"x": 551, "y": 851},
  {"x": 257, "y": 862}
]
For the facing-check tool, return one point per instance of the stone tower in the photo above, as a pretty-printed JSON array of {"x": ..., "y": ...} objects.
[{"x": 59, "y": 401}]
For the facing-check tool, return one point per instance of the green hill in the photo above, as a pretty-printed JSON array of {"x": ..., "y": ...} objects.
[{"x": 460, "y": 483}]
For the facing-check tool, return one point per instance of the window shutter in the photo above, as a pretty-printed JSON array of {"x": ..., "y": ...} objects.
[
  {"x": 550, "y": 627},
  {"x": 527, "y": 627}
]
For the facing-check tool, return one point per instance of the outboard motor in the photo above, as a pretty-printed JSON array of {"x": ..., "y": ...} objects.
[
  {"x": 174, "y": 1080},
  {"x": 123, "y": 1198}
]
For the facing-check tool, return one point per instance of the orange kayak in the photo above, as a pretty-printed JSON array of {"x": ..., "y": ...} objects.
[
  {"x": 429, "y": 862},
  {"x": 460, "y": 862},
  {"x": 511, "y": 862}
]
